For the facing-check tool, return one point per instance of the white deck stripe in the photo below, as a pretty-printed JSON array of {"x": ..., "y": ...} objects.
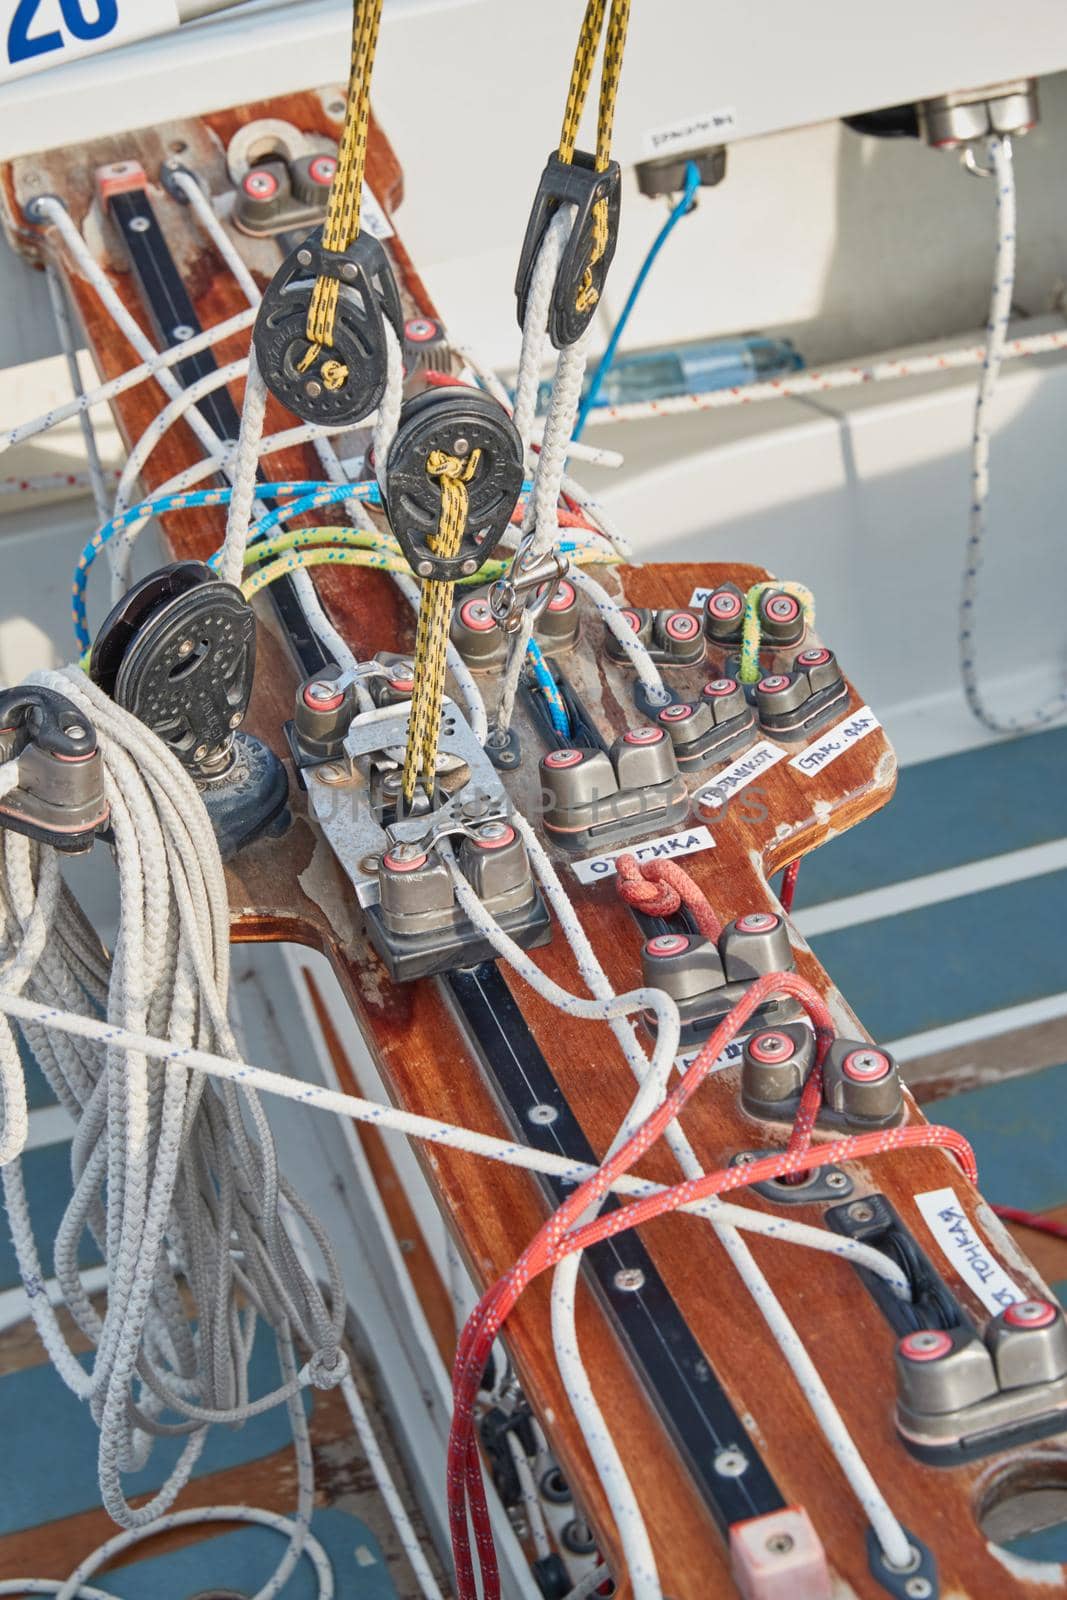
[
  {"x": 972, "y": 1030},
  {"x": 49, "y": 1125},
  {"x": 875, "y": 904}
]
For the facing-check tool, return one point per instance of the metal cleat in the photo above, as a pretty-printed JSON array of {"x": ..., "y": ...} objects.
[{"x": 59, "y": 798}]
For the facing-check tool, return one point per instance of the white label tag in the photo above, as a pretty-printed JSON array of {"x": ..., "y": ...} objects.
[
  {"x": 692, "y": 133},
  {"x": 372, "y": 216},
  {"x": 38, "y": 34},
  {"x": 966, "y": 1249},
  {"x": 698, "y": 596},
  {"x": 836, "y": 742},
  {"x": 732, "y": 1053},
  {"x": 738, "y": 774},
  {"x": 686, "y": 843}
]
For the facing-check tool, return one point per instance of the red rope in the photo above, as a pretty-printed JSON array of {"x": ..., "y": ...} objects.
[
  {"x": 561, "y": 1235},
  {"x": 1032, "y": 1219},
  {"x": 789, "y": 886},
  {"x": 661, "y": 888}
]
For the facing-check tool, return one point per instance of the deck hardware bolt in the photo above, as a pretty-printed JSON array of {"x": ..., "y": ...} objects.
[
  {"x": 731, "y": 1462},
  {"x": 780, "y": 1544},
  {"x": 542, "y": 1116},
  {"x": 469, "y": 566},
  {"x": 918, "y": 1589},
  {"x": 200, "y": 752},
  {"x": 630, "y": 1280},
  {"x": 321, "y": 690},
  {"x": 314, "y": 389},
  {"x": 370, "y": 863},
  {"x": 185, "y": 648},
  {"x": 182, "y": 332},
  {"x": 424, "y": 569},
  {"x": 140, "y": 225},
  {"x": 349, "y": 271},
  {"x": 836, "y": 1180},
  {"x": 461, "y": 447},
  {"x": 304, "y": 257},
  {"x": 331, "y": 772},
  {"x": 861, "y": 1212},
  {"x": 236, "y": 719}
]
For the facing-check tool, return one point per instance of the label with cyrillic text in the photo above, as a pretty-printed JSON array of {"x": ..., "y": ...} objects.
[
  {"x": 965, "y": 1248},
  {"x": 738, "y": 774},
  {"x": 815, "y": 756},
  {"x": 696, "y": 132},
  {"x": 686, "y": 843},
  {"x": 38, "y": 34},
  {"x": 372, "y": 216}
]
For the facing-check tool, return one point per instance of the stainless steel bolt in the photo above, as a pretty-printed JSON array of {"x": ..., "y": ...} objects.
[
  {"x": 370, "y": 863},
  {"x": 321, "y": 689},
  {"x": 630, "y": 1280},
  {"x": 780, "y": 1544},
  {"x": 469, "y": 566},
  {"x": 140, "y": 225},
  {"x": 424, "y": 569},
  {"x": 350, "y": 272},
  {"x": 186, "y": 648},
  {"x": 461, "y": 447},
  {"x": 918, "y": 1589},
  {"x": 861, "y": 1212},
  {"x": 313, "y": 388},
  {"x": 304, "y": 257},
  {"x": 182, "y": 332},
  {"x": 237, "y": 718},
  {"x": 492, "y": 830},
  {"x": 200, "y": 752},
  {"x": 836, "y": 1180},
  {"x": 542, "y": 1116}
]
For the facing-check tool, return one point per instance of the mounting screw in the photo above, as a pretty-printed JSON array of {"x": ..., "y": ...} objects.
[
  {"x": 331, "y": 772},
  {"x": 861, "y": 1212},
  {"x": 469, "y": 566},
  {"x": 182, "y": 332},
  {"x": 780, "y": 1544},
  {"x": 237, "y": 718},
  {"x": 731, "y": 1462},
  {"x": 350, "y": 272},
  {"x": 836, "y": 1180},
  {"x": 918, "y": 1589},
  {"x": 744, "y": 1158},
  {"x": 461, "y": 447},
  {"x": 492, "y": 830},
  {"x": 630, "y": 1280},
  {"x": 304, "y": 257},
  {"x": 542, "y": 1116},
  {"x": 186, "y": 648},
  {"x": 424, "y": 569},
  {"x": 140, "y": 225},
  {"x": 200, "y": 752},
  {"x": 314, "y": 389},
  {"x": 321, "y": 690},
  {"x": 370, "y": 863}
]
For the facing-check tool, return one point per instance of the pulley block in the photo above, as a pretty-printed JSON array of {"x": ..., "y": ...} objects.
[
  {"x": 178, "y": 652},
  {"x": 344, "y": 382},
  {"x": 59, "y": 799},
  {"x": 577, "y": 184},
  {"x": 457, "y": 421}
]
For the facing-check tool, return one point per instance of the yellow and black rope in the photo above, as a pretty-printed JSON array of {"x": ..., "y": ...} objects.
[
  {"x": 581, "y": 77},
  {"x": 453, "y": 473},
  {"x": 342, "y": 212}
]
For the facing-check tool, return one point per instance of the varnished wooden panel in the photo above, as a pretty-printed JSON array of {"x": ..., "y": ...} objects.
[{"x": 292, "y": 889}]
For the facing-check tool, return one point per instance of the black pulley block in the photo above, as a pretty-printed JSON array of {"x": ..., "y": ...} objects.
[
  {"x": 579, "y": 184},
  {"x": 344, "y": 382},
  {"x": 458, "y": 421},
  {"x": 178, "y": 652}
]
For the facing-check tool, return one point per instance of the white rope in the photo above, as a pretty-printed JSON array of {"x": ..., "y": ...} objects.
[
  {"x": 214, "y": 227},
  {"x": 1003, "y": 179},
  {"x": 611, "y": 612},
  {"x": 57, "y": 295},
  {"x": 160, "y": 362},
  {"x": 231, "y": 563}
]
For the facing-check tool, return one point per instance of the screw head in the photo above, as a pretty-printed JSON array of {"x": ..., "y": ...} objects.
[
  {"x": 731, "y": 1462},
  {"x": 182, "y": 332},
  {"x": 200, "y": 752},
  {"x": 469, "y": 566},
  {"x": 866, "y": 1066},
  {"x": 313, "y": 388},
  {"x": 186, "y": 648},
  {"x": 304, "y": 257},
  {"x": 918, "y": 1589},
  {"x": 542, "y": 1116},
  {"x": 140, "y": 225},
  {"x": 836, "y": 1180},
  {"x": 1030, "y": 1314},
  {"x": 424, "y": 569},
  {"x": 927, "y": 1344},
  {"x": 779, "y": 1544},
  {"x": 461, "y": 447},
  {"x": 237, "y": 718},
  {"x": 331, "y": 772},
  {"x": 861, "y": 1212},
  {"x": 630, "y": 1280},
  {"x": 321, "y": 689},
  {"x": 350, "y": 272}
]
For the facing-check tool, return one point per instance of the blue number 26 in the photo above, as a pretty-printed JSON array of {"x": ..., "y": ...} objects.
[{"x": 22, "y": 46}]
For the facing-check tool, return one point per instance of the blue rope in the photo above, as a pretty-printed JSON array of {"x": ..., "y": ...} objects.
[
  {"x": 683, "y": 207},
  {"x": 557, "y": 710},
  {"x": 156, "y": 505}
]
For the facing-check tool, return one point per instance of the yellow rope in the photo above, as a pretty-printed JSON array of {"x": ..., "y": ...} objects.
[
  {"x": 581, "y": 77},
  {"x": 435, "y": 615},
  {"x": 342, "y": 212}
]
